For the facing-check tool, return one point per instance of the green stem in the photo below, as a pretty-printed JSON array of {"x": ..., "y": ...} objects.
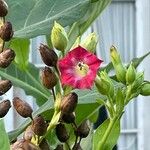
[
  {"x": 107, "y": 133},
  {"x": 111, "y": 104}
]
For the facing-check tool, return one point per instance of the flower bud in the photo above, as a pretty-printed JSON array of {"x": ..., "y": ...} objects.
[
  {"x": 61, "y": 133},
  {"x": 39, "y": 126},
  {"x": 6, "y": 57},
  {"x": 83, "y": 130},
  {"x": 131, "y": 74},
  {"x": 5, "y": 85},
  {"x": 4, "y": 108},
  {"x": 68, "y": 118},
  {"x": 145, "y": 90},
  {"x": 59, "y": 37},
  {"x": 59, "y": 147},
  {"x": 28, "y": 134},
  {"x": 3, "y": 8},
  {"x": 48, "y": 77},
  {"x": 22, "y": 107},
  {"x": 77, "y": 147},
  {"x": 6, "y": 32},
  {"x": 48, "y": 55},
  {"x": 69, "y": 103},
  {"x": 90, "y": 42},
  {"x": 118, "y": 66}
]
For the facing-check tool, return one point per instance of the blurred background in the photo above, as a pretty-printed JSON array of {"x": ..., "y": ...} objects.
[{"x": 125, "y": 24}]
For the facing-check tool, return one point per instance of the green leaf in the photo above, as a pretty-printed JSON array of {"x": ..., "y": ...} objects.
[
  {"x": 21, "y": 48},
  {"x": 27, "y": 80},
  {"x": 36, "y": 17},
  {"x": 112, "y": 137},
  {"x": 4, "y": 142}
]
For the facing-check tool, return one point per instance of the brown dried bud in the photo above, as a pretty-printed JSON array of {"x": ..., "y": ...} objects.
[
  {"x": 44, "y": 145},
  {"x": 69, "y": 103},
  {"x": 4, "y": 108},
  {"x": 48, "y": 55},
  {"x": 5, "y": 85},
  {"x": 6, "y": 32},
  {"x": 28, "y": 134},
  {"x": 3, "y": 8},
  {"x": 68, "y": 118},
  {"x": 59, "y": 147},
  {"x": 22, "y": 107},
  {"x": 6, "y": 57},
  {"x": 83, "y": 130},
  {"x": 61, "y": 133},
  {"x": 77, "y": 147},
  {"x": 39, "y": 125},
  {"x": 48, "y": 77},
  {"x": 24, "y": 145}
]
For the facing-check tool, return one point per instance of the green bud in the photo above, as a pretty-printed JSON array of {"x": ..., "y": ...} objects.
[
  {"x": 90, "y": 42},
  {"x": 131, "y": 74},
  {"x": 59, "y": 37},
  {"x": 138, "y": 81},
  {"x": 145, "y": 90},
  {"x": 118, "y": 66},
  {"x": 103, "y": 86}
]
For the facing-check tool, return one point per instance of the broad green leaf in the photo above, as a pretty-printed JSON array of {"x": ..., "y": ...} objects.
[
  {"x": 36, "y": 17},
  {"x": 4, "y": 141},
  {"x": 21, "y": 48},
  {"x": 27, "y": 80},
  {"x": 112, "y": 137}
]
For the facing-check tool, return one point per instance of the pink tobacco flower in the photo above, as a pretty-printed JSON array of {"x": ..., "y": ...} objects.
[{"x": 79, "y": 68}]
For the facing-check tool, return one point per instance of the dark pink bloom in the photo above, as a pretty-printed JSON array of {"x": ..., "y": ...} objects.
[{"x": 79, "y": 68}]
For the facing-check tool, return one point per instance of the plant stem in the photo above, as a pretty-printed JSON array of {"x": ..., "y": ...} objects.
[
  {"x": 107, "y": 133},
  {"x": 53, "y": 92}
]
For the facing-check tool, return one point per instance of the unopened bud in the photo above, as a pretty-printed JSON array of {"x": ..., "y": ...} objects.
[
  {"x": 5, "y": 85},
  {"x": 59, "y": 147},
  {"x": 62, "y": 133},
  {"x": 59, "y": 37},
  {"x": 90, "y": 42},
  {"x": 28, "y": 134},
  {"x": 83, "y": 130},
  {"x": 48, "y": 77},
  {"x": 39, "y": 126},
  {"x": 145, "y": 90},
  {"x": 6, "y": 57},
  {"x": 6, "y": 32},
  {"x": 22, "y": 107},
  {"x": 131, "y": 74},
  {"x": 48, "y": 55},
  {"x": 3, "y": 8},
  {"x": 69, "y": 103},
  {"x": 77, "y": 146},
  {"x": 4, "y": 108},
  {"x": 68, "y": 118},
  {"x": 118, "y": 66}
]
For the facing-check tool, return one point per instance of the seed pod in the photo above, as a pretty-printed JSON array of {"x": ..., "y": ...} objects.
[
  {"x": 68, "y": 118},
  {"x": 6, "y": 57},
  {"x": 61, "y": 133},
  {"x": 22, "y": 107},
  {"x": 3, "y": 8},
  {"x": 69, "y": 103},
  {"x": 5, "y": 85},
  {"x": 39, "y": 125},
  {"x": 6, "y": 32},
  {"x": 48, "y": 77},
  {"x": 28, "y": 134},
  {"x": 44, "y": 145},
  {"x": 4, "y": 108},
  {"x": 77, "y": 147},
  {"x": 48, "y": 55},
  {"x": 83, "y": 130},
  {"x": 59, "y": 147}
]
